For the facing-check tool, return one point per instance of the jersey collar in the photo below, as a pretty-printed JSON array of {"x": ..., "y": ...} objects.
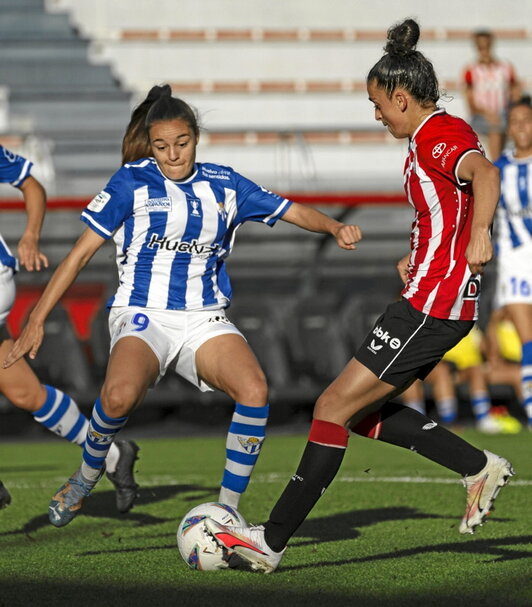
[
  {"x": 436, "y": 112},
  {"x": 187, "y": 180}
]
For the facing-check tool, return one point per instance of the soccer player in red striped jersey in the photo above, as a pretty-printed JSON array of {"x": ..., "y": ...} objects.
[{"x": 454, "y": 190}]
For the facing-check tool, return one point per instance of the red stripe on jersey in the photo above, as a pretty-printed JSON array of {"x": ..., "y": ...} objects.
[{"x": 440, "y": 233}]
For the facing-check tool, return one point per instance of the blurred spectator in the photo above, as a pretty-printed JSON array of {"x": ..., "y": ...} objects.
[
  {"x": 490, "y": 86},
  {"x": 514, "y": 237}
]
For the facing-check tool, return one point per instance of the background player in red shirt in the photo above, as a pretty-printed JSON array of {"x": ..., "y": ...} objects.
[
  {"x": 490, "y": 86},
  {"x": 454, "y": 191}
]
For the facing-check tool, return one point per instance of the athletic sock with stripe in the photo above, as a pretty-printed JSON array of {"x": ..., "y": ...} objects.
[{"x": 319, "y": 464}]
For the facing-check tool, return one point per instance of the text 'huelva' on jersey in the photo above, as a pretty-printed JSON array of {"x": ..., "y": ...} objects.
[{"x": 181, "y": 246}]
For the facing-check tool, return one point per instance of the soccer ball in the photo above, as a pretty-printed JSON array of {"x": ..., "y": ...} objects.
[{"x": 196, "y": 546}]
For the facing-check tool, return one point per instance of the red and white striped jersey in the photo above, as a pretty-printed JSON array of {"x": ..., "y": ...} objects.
[
  {"x": 440, "y": 283},
  {"x": 491, "y": 84}
]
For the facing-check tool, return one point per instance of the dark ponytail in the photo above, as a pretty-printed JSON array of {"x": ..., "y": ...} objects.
[
  {"x": 159, "y": 105},
  {"x": 403, "y": 66}
]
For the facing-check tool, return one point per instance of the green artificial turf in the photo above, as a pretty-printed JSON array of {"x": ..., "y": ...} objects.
[{"x": 385, "y": 533}]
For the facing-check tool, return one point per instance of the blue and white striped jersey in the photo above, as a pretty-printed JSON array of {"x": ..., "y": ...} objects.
[
  {"x": 14, "y": 170},
  {"x": 172, "y": 238},
  {"x": 514, "y": 213}
]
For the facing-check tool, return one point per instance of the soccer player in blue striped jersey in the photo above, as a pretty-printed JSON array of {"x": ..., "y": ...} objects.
[
  {"x": 514, "y": 237},
  {"x": 49, "y": 406},
  {"x": 174, "y": 222}
]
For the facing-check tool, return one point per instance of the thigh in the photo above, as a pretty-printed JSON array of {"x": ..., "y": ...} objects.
[
  {"x": 521, "y": 316},
  {"x": 353, "y": 391},
  {"x": 207, "y": 358},
  {"x": 228, "y": 363},
  {"x": 19, "y": 384},
  {"x": 133, "y": 367}
]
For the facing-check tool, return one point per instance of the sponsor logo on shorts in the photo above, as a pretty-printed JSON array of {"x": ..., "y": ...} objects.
[
  {"x": 163, "y": 204},
  {"x": 429, "y": 426},
  {"x": 98, "y": 203},
  {"x": 383, "y": 335},
  {"x": 438, "y": 149},
  {"x": 220, "y": 318}
]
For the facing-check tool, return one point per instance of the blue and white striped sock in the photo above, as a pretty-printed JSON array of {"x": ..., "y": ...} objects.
[
  {"x": 526, "y": 379},
  {"x": 417, "y": 405},
  {"x": 481, "y": 404},
  {"x": 100, "y": 436},
  {"x": 61, "y": 415},
  {"x": 447, "y": 409},
  {"x": 244, "y": 441}
]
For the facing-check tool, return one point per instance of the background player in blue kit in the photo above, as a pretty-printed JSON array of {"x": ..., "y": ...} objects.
[
  {"x": 173, "y": 221},
  {"x": 49, "y": 406},
  {"x": 514, "y": 237}
]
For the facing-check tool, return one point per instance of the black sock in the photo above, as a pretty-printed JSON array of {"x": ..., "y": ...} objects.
[
  {"x": 316, "y": 470},
  {"x": 405, "y": 427}
]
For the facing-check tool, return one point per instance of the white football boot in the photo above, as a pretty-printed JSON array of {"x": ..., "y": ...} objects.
[
  {"x": 248, "y": 543},
  {"x": 482, "y": 489}
]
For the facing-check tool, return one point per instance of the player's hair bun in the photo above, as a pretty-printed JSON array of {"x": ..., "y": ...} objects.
[
  {"x": 402, "y": 38},
  {"x": 156, "y": 92}
]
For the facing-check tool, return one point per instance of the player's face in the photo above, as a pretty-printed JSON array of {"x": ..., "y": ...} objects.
[
  {"x": 388, "y": 111},
  {"x": 173, "y": 144},
  {"x": 520, "y": 128}
]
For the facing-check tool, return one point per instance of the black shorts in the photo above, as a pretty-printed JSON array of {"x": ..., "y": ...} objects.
[{"x": 406, "y": 344}]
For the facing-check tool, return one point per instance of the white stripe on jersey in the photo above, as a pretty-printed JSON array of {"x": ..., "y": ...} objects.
[
  {"x": 23, "y": 173},
  {"x": 431, "y": 198},
  {"x": 95, "y": 223},
  {"x": 458, "y": 304},
  {"x": 278, "y": 210},
  {"x": 209, "y": 229},
  {"x": 177, "y": 221}
]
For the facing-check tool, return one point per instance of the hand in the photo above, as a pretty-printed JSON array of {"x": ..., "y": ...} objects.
[
  {"x": 347, "y": 236},
  {"x": 30, "y": 256},
  {"x": 30, "y": 340},
  {"x": 479, "y": 251},
  {"x": 403, "y": 267}
]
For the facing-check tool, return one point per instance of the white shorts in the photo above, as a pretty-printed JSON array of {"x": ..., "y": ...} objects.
[
  {"x": 514, "y": 276},
  {"x": 7, "y": 292},
  {"x": 173, "y": 335}
]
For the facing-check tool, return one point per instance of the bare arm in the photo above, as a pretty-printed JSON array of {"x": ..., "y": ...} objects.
[
  {"x": 403, "y": 266},
  {"x": 486, "y": 191},
  {"x": 31, "y": 337},
  {"x": 315, "y": 221},
  {"x": 28, "y": 247}
]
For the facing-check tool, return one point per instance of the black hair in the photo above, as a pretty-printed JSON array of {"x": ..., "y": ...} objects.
[
  {"x": 166, "y": 107},
  {"x": 483, "y": 33},
  {"x": 403, "y": 66},
  {"x": 159, "y": 105},
  {"x": 524, "y": 100}
]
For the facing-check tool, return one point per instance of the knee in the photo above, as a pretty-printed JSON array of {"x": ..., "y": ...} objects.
[
  {"x": 26, "y": 398},
  {"x": 118, "y": 400},
  {"x": 326, "y": 405},
  {"x": 253, "y": 393}
]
